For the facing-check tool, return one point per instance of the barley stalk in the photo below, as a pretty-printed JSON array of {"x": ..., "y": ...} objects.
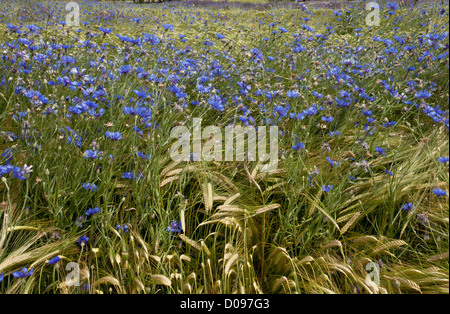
[
  {"x": 350, "y": 222},
  {"x": 389, "y": 245}
]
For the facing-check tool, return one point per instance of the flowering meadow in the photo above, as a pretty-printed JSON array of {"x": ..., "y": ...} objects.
[{"x": 92, "y": 202}]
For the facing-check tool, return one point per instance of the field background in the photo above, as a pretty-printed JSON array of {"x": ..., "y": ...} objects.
[{"x": 362, "y": 176}]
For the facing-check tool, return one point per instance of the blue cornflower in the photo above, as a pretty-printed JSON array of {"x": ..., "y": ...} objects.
[
  {"x": 216, "y": 102},
  {"x": 24, "y": 41},
  {"x": 105, "y": 30},
  {"x": 380, "y": 151},
  {"x": 32, "y": 28},
  {"x": 167, "y": 27},
  {"x": 219, "y": 36},
  {"x": 327, "y": 119},
  {"x": 332, "y": 162},
  {"x": 327, "y": 188},
  {"x": 125, "y": 69},
  {"x": 389, "y": 124},
  {"x": 21, "y": 115},
  {"x": 244, "y": 88},
  {"x": 130, "y": 175},
  {"x": 83, "y": 240},
  {"x": 423, "y": 94},
  {"x": 175, "y": 226},
  {"x": 142, "y": 155},
  {"x": 13, "y": 29},
  {"x": 292, "y": 94},
  {"x": 408, "y": 207},
  {"x": 298, "y": 146},
  {"x": 140, "y": 93},
  {"x": 90, "y": 187},
  {"x": 281, "y": 111},
  {"x": 334, "y": 133},
  {"x": 193, "y": 157},
  {"x": 90, "y": 104},
  {"x": 115, "y": 136},
  {"x": 123, "y": 228},
  {"x": 258, "y": 55},
  {"x": 11, "y": 136},
  {"x": 367, "y": 112},
  {"x": 370, "y": 120},
  {"x": 91, "y": 154},
  {"x": 8, "y": 155},
  {"x": 128, "y": 39},
  {"x": 54, "y": 260},
  {"x": 80, "y": 220},
  {"x": 23, "y": 273},
  {"x": 92, "y": 211},
  {"x": 423, "y": 219},
  {"x": 392, "y": 6},
  {"x": 6, "y": 169},
  {"x": 1, "y": 276},
  {"x": 18, "y": 173},
  {"x": 127, "y": 175},
  {"x": 443, "y": 159},
  {"x": 67, "y": 60},
  {"x": 439, "y": 192}
]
